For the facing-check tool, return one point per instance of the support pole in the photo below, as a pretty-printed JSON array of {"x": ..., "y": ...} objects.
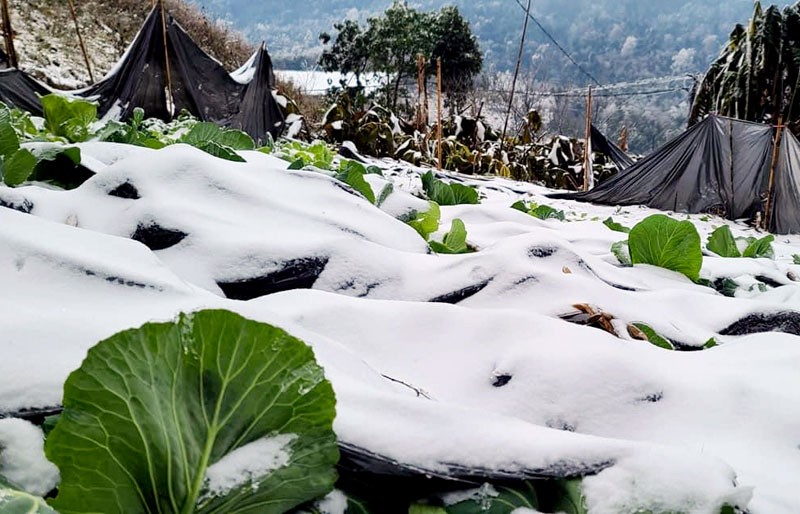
[
  {"x": 516, "y": 73},
  {"x": 588, "y": 172},
  {"x": 8, "y": 35},
  {"x": 770, "y": 190},
  {"x": 80, "y": 40},
  {"x": 439, "y": 111},
  {"x": 170, "y": 100},
  {"x": 422, "y": 101}
]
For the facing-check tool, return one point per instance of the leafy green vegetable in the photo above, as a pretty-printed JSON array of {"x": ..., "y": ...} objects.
[
  {"x": 616, "y": 227},
  {"x": 18, "y": 167},
  {"x": 352, "y": 173},
  {"x": 653, "y": 337},
  {"x": 497, "y": 500},
  {"x": 15, "y": 501},
  {"x": 69, "y": 118},
  {"x": 448, "y": 194},
  {"x": 454, "y": 241},
  {"x": 571, "y": 500},
  {"x": 211, "y": 413},
  {"x": 668, "y": 243},
  {"x": 426, "y": 223},
  {"x": 520, "y": 206},
  {"x": 711, "y": 343},
  {"x": 9, "y": 141},
  {"x": 722, "y": 242},
  {"x": 545, "y": 212},
  {"x": 622, "y": 252},
  {"x": 219, "y": 151},
  {"x": 387, "y": 190},
  {"x": 317, "y": 154},
  {"x": 759, "y": 247},
  {"x": 795, "y": 258}
]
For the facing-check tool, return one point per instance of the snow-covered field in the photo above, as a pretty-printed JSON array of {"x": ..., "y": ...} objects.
[{"x": 439, "y": 362}]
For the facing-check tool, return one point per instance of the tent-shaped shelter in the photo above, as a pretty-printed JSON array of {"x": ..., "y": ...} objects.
[
  {"x": 166, "y": 80},
  {"x": 603, "y": 145},
  {"x": 720, "y": 166}
]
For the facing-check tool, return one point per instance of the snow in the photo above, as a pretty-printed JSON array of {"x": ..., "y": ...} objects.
[
  {"x": 316, "y": 82},
  {"x": 248, "y": 464},
  {"x": 416, "y": 381},
  {"x": 22, "y": 459}
]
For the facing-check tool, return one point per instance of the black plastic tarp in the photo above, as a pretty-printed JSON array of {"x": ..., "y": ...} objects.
[
  {"x": 718, "y": 166},
  {"x": 601, "y": 144},
  {"x": 259, "y": 112},
  {"x": 785, "y": 215},
  {"x": 196, "y": 83},
  {"x": 18, "y": 89}
]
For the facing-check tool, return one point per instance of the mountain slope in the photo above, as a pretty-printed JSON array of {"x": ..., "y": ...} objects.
[
  {"x": 614, "y": 39},
  {"x": 47, "y": 44}
]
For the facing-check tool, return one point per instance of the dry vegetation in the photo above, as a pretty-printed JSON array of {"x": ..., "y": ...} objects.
[{"x": 46, "y": 39}]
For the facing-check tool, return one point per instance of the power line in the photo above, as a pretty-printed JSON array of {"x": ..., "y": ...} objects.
[{"x": 558, "y": 45}]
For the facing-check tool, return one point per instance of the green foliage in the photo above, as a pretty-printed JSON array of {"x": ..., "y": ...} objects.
[
  {"x": 497, "y": 500},
  {"x": 15, "y": 501},
  {"x": 448, "y": 194},
  {"x": 748, "y": 78},
  {"x": 616, "y": 227},
  {"x": 152, "y": 410},
  {"x": 219, "y": 142},
  {"x": 317, "y": 154},
  {"x": 426, "y": 223},
  {"x": 759, "y": 247},
  {"x": 653, "y": 337},
  {"x": 722, "y": 242},
  {"x": 454, "y": 241},
  {"x": 352, "y": 173},
  {"x": 795, "y": 258},
  {"x": 667, "y": 243},
  {"x": 69, "y": 118},
  {"x": 18, "y": 167},
  {"x": 543, "y": 212},
  {"x": 622, "y": 252},
  {"x": 390, "y": 43}
]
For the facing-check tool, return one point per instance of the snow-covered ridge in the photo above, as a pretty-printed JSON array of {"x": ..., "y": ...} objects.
[{"x": 439, "y": 362}]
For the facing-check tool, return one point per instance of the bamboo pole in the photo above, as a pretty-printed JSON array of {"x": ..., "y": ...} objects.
[
  {"x": 439, "y": 110},
  {"x": 8, "y": 35},
  {"x": 588, "y": 172},
  {"x": 80, "y": 40},
  {"x": 773, "y": 165},
  {"x": 170, "y": 99},
  {"x": 516, "y": 73}
]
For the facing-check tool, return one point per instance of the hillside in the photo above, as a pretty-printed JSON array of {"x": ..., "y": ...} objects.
[
  {"x": 615, "y": 39},
  {"x": 47, "y": 45}
]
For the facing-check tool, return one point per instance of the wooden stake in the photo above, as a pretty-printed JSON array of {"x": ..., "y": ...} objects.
[
  {"x": 8, "y": 35},
  {"x": 439, "y": 110},
  {"x": 422, "y": 101},
  {"x": 623, "y": 139},
  {"x": 588, "y": 172},
  {"x": 516, "y": 73},
  {"x": 80, "y": 40},
  {"x": 775, "y": 152},
  {"x": 170, "y": 99}
]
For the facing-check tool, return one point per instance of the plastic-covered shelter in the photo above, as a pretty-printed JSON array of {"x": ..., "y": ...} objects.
[
  {"x": 165, "y": 81},
  {"x": 603, "y": 145},
  {"x": 720, "y": 166}
]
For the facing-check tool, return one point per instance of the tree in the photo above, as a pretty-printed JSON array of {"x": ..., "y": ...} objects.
[
  {"x": 458, "y": 48},
  {"x": 349, "y": 53},
  {"x": 390, "y": 43}
]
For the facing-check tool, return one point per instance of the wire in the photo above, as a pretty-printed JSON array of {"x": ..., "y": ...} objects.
[{"x": 558, "y": 45}]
